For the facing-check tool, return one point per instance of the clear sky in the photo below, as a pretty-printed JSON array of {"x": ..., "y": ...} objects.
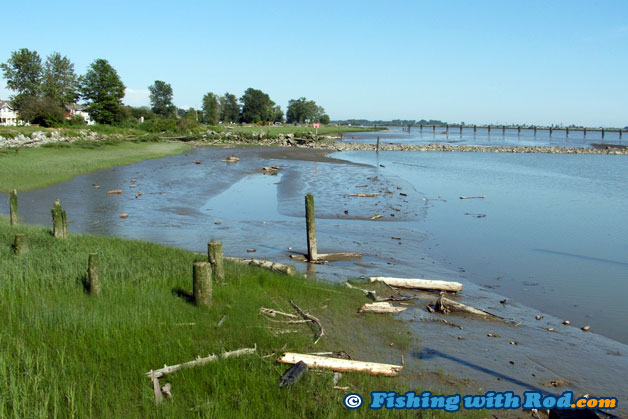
[{"x": 503, "y": 61}]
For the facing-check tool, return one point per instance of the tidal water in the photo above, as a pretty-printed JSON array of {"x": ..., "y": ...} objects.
[
  {"x": 511, "y": 137},
  {"x": 549, "y": 238}
]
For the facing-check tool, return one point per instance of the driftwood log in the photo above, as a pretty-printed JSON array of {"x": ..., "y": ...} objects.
[
  {"x": 445, "y": 305},
  {"x": 421, "y": 284},
  {"x": 341, "y": 365},
  {"x": 266, "y": 264},
  {"x": 380, "y": 307},
  {"x": 364, "y": 195},
  {"x": 293, "y": 375}
]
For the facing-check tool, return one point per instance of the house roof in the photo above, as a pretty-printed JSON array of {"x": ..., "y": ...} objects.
[{"x": 6, "y": 103}]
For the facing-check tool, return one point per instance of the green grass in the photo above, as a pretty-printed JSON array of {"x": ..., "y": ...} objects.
[
  {"x": 68, "y": 354},
  {"x": 30, "y": 168}
]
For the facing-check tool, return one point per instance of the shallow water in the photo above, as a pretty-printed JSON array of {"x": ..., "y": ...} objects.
[
  {"x": 549, "y": 236},
  {"x": 399, "y": 135}
]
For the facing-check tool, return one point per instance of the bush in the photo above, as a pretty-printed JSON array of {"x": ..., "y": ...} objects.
[{"x": 44, "y": 112}]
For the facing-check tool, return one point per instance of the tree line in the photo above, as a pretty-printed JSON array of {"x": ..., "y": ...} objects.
[{"x": 43, "y": 91}]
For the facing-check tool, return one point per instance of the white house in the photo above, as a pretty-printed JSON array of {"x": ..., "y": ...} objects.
[
  {"x": 8, "y": 116},
  {"x": 79, "y": 110}
]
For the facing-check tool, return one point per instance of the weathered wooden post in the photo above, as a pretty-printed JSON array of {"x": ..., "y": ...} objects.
[
  {"x": 567, "y": 132},
  {"x": 503, "y": 129},
  {"x": 377, "y": 147},
  {"x": 409, "y": 126},
  {"x": 215, "y": 257},
  {"x": 59, "y": 222},
  {"x": 20, "y": 243},
  {"x": 475, "y": 129},
  {"x": 518, "y": 129},
  {"x": 447, "y": 129},
  {"x": 93, "y": 274},
  {"x": 535, "y": 130},
  {"x": 602, "y": 133},
  {"x": 585, "y": 132},
  {"x": 433, "y": 129},
  {"x": 550, "y": 131},
  {"x": 421, "y": 128},
  {"x": 489, "y": 129},
  {"x": 13, "y": 207},
  {"x": 461, "y": 130},
  {"x": 202, "y": 283},
  {"x": 310, "y": 222},
  {"x": 620, "y": 133}
]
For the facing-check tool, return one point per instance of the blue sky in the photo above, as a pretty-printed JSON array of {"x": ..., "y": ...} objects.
[{"x": 529, "y": 61}]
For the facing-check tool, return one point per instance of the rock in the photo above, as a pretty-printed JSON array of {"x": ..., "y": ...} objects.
[{"x": 586, "y": 328}]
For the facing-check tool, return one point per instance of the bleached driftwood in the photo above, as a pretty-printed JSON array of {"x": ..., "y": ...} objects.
[
  {"x": 266, "y": 264},
  {"x": 445, "y": 305},
  {"x": 341, "y": 365},
  {"x": 274, "y": 313},
  {"x": 380, "y": 307},
  {"x": 422, "y": 284},
  {"x": 308, "y": 316},
  {"x": 199, "y": 361},
  {"x": 115, "y": 192},
  {"x": 364, "y": 195},
  {"x": 376, "y": 217}
]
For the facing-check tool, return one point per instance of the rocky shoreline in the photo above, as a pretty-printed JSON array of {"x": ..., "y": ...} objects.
[{"x": 39, "y": 138}]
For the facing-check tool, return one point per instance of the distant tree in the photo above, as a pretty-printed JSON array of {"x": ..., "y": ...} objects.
[
  {"x": 210, "y": 109},
  {"x": 302, "y": 110},
  {"x": 59, "y": 81},
  {"x": 256, "y": 106},
  {"x": 23, "y": 72},
  {"x": 103, "y": 90},
  {"x": 277, "y": 114},
  {"x": 46, "y": 112},
  {"x": 161, "y": 98},
  {"x": 324, "y": 119},
  {"x": 229, "y": 108}
]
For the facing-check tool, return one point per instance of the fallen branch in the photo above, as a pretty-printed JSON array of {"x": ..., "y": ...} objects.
[
  {"x": 380, "y": 307},
  {"x": 341, "y": 365},
  {"x": 422, "y": 284},
  {"x": 376, "y": 217},
  {"x": 273, "y": 313},
  {"x": 155, "y": 374},
  {"x": 222, "y": 321},
  {"x": 308, "y": 316},
  {"x": 445, "y": 305},
  {"x": 266, "y": 264},
  {"x": 473, "y": 197},
  {"x": 364, "y": 195}
]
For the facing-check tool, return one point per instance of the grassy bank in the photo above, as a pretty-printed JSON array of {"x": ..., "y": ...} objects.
[
  {"x": 30, "y": 168},
  {"x": 69, "y": 354}
]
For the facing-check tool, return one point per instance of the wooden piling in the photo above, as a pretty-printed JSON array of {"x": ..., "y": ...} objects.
[
  {"x": 93, "y": 274},
  {"x": 550, "y": 131},
  {"x": 503, "y": 129},
  {"x": 377, "y": 147},
  {"x": 620, "y": 133},
  {"x": 421, "y": 128},
  {"x": 567, "y": 132},
  {"x": 202, "y": 283},
  {"x": 215, "y": 257},
  {"x": 518, "y": 129},
  {"x": 310, "y": 222},
  {"x": 489, "y": 129},
  {"x": 13, "y": 207},
  {"x": 59, "y": 222},
  {"x": 433, "y": 129},
  {"x": 447, "y": 129},
  {"x": 461, "y": 130},
  {"x": 585, "y": 133},
  {"x": 535, "y": 130},
  {"x": 602, "y": 133},
  {"x": 475, "y": 129},
  {"x": 409, "y": 126},
  {"x": 20, "y": 243}
]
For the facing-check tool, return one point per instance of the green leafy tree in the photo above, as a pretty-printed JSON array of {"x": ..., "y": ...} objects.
[
  {"x": 277, "y": 114},
  {"x": 46, "y": 111},
  {"x": 103, "y": 90},
  {"x": 23, "y": 72},
  {"x": 229, "y": 108},
  {"x": 324, "y": 119},
  {"x": 210, "y": 109},
  {"x": 59, "y": 81},
  {"x": 302, "y": 110},
  {"x": 256, "y": 106},
  {"x": 161, "y": 98}
]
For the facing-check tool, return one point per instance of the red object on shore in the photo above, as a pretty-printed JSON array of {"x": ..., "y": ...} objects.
[{"x": 316, "y": 125}]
